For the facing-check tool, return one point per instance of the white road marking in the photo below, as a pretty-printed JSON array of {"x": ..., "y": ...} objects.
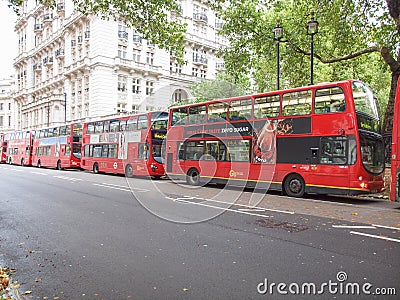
[
  {"x": 354, "y": 226},
  {"x": 387, "y": 227},
  {"x": 113, "y": 187},
  {"x": 251, "y": 209},
  {"x": 222, "y": 208},
  {"x": 68, "y": 178},
  {"x": 375, "y": 236},
  {"x": 39, "y": 173},
  {"x": 127, "y": 187}
]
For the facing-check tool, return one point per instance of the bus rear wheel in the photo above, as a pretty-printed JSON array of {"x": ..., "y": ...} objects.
[
  {"x": 59, "y": 165},
  {"x": 96, "y": 168},
  {"x": 128, "y": 171},
  {"x": 193, "y": 177},
  {"x": 294, "y": 186}
]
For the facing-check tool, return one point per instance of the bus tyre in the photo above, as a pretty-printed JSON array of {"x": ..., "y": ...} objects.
[
  {"x": 294, "y": 186},
  {"x": 96, "y": 168},
  {"x": 22, "y": 162},
  {"x": 39, "y": 164},
  {"x": 59, "y": 165},
  {"x": 193, "y": 177},
  {"x": 129, "y": 171}
]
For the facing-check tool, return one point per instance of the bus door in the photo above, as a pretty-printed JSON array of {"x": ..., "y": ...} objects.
[
  {"x": 214, "y": 162},
  {"x": 332, "y": 162}
]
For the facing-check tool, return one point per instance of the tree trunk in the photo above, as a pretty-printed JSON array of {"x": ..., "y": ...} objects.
[{"x": 388, "y": 119}]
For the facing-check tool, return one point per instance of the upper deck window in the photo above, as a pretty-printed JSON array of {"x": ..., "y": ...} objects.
[
  {"x": 179, "y": 116},
  {"x": 297, "y": 103},
  {"x": 240, "y": 109},
  {"x": 217, "y": 112},
  {"x": 364, "y": 99},
  {"x": 197, "y": 114},
  {"x": 329, "y": 100},
  {"x": 265, "y": 107}
]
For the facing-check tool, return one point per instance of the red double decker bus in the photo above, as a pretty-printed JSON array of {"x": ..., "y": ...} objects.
[
  {"x": 130, "y": 145},
  {"x": 19, "y": 148},
  {"x": 58, "y": 147},
  {"x": 395, "y": 163},
  {"x": 315, "y": 139},
  {"x": 3, "y": 147}
]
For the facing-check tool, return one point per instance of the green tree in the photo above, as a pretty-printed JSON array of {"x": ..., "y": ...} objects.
[
  {"x": 356, "y": 39},
  {"x": 149, "y": 18},
  {"x": 222, "y": 87}
]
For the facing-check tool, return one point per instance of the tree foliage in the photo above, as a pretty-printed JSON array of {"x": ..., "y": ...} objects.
[
  {"x": 150, "y": 18},
  {"x": 356, "y": 39}
]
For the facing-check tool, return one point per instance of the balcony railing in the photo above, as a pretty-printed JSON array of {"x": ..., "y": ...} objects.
[
  {"x": 60, "y": 6},
  {"x": 137, "y": 38},
  {"x": 200, "y": 59},
  {"x": 47, "y": 17},
  {"x": 59, "y": 53},
  {"x": 38, "y": 27},
  {"x": 48, "y": 60},
  {"x": 200, "y": 17},
  {"x": 123, "y": 35},
  {"x": 37, "y": 67}
]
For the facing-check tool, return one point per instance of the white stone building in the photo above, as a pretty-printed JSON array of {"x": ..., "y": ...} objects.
[
  {"x": 71, "y": 67},
  {"x": 7, "y": 105}
]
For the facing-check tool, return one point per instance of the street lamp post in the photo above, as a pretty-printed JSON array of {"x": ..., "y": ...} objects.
[
  {"x": 278, "y": 34},
  {"x": 312, "y": 28}
]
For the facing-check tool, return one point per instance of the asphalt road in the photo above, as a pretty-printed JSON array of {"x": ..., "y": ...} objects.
[{"x": 77, "y": 235}]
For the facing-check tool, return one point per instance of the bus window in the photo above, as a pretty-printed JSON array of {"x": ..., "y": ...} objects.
[
  {"x": 97, "y": 150},
  {"x": 181, "y": 151},
  {"x": 266, "y": 107},
  {"x": 217, "y": 112},
  {"x": 131, "y": 124},
  {"x": 122, "y": 125},
  {"x": 239, "y": 150},
  {"x": 112, "y": 151},
  {"x": 334, "y": 150},
  {"x": 104, "y": 151},
  {"x": 98, "y": 127},
  {"x": 297, "y": 103},
  {"x": 142, "y": 122},
  {"x": 240, "y": 109},
  {"x": 364, "y": 99},
  {"x": 114, "y": 124},
  {"x": 159, "y": 120},
  {"x": 64, "y": 130},
  {"x": 143, "y": 151},
  {"x": 194, "y": 150},
  {"x": 197, "y": 114},
  {"x": 90, "y": 128},
  {"x": 329, "y": 100},
  {"x": 179, "y": 116},
  {"x": 107, "y": 126}
]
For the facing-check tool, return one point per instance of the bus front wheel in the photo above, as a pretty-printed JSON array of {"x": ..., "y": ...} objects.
[
  {"x": 294, "y": 186},
  {"x": 193, "y": 177},
  {"x": 22, "y": 162},
  {"x": 59, "y": 165},
  {"x": 96, "y": 168},
  {"x": 39, "y": 164},
  {"x": 128, "y": 171}
]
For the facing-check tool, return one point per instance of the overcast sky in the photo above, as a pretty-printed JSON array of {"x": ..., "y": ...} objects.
[{"x": 8, "y": 40}]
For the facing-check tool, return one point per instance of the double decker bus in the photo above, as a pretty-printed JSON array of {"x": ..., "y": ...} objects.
[
  {"x": 130, "y": 145},
  {"x": 58, "y": 147},
  {"x": 3, "y": 147},
  {"x": 395, "y": 163},
  {"x": 316, "y": 139},
  {"x": 19, "y": 148}
]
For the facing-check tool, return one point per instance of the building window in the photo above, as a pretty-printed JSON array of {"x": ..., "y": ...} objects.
[
  {"x": 121, "y": 83},
  {"x": 1, "y": 121},
  {"x": 136, "y": 86},
  {"x": 177, "y": 97},
  {"x": 135, "y": 109},
  {"x": 121, "y": 107},
  {"x": 121, "y": 51},
  {"x": 136, "y": 55},
  {"x": 150, "y": 58},
  {"x": 149, "y": 87},
  {"x": 175, "y": 67},
  {"x": 9, "y": 121},
  {"x": 1, "y": 106},
  {"x": 203, "y": 73},
  {"x": 195, "y": 72}
]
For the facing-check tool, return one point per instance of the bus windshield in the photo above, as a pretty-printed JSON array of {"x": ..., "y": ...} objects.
[
  {"x": 364, "y": 99},
  {"x": 76, "y": 150},
  {"x": 372, "y": 153},
  {"x": 157, "y": 151}
]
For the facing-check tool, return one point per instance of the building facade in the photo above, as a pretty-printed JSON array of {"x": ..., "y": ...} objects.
[
  {"x": 72, "y": 67},
  {"x": 7, "y": 105}
]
